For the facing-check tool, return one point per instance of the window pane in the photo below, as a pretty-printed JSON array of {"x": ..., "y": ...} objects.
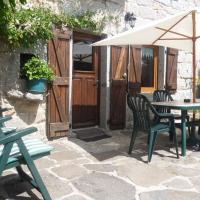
[
  {"x": 82, "y": 56},
  {"x": 147, "y": 79}
]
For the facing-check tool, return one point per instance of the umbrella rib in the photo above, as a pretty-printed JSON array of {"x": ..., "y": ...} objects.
[
  {"x": 197, "y": 37},
  {"x": 175, "y": 39},
  {"x": 171, "y": 28},
  {"x": 180, "y": 34}
]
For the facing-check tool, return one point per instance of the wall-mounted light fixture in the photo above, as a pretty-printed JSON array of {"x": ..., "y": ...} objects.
[{"x": 130, "y": 19}]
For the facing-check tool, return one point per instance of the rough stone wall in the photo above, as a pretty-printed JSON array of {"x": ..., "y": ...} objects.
[
  {"x": 26, "y": 109},
  {"x": 27, "y": 112},
  {"x": 145, "y": 11}
]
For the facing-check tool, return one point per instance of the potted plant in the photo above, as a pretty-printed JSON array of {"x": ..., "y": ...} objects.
[{"x": 38, "y": 73}]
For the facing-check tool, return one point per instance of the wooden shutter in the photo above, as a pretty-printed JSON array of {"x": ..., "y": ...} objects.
[
  {"x": 58, "y": 98},
  {"x": 135, "y": 70},
  {"x": 118, "y": 88},
  {"x": 171, "y": 69}
]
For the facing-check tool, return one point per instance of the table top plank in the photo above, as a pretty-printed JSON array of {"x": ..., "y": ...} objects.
[{"x": 179, "y": 105}]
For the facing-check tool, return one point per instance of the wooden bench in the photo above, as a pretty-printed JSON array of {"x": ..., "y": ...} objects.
[{"x": 15, "y": 152}]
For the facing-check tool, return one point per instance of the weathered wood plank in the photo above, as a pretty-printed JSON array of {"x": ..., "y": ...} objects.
[
  {"x": 59, "y": 103},
  {"x": 118, "y": 73},
  {"x": 58, "y": 126},
  {"x": 58, "y": 93},
  {"x": 61, "y": 81}
]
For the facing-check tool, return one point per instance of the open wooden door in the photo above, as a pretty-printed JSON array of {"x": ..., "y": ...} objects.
[
  {"x": 86, "y": 67},
  {"x": 135, "y": 70},
  {"x": 58, "y": 98},
  {"x": 119, "y": 84},
  {"x": 171, "y": 70},
  {"x": 118, "y": 87}
]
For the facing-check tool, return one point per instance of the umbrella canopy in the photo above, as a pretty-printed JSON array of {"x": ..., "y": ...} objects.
[{"x": 180, "y": 31}]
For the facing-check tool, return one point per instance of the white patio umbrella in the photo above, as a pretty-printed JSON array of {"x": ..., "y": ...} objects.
[{"x": 180, "y": 31}]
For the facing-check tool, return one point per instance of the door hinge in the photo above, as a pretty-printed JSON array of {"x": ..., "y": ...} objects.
[{"x": 70, "y": 125}]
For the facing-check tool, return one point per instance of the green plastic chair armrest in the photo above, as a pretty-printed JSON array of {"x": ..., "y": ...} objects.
[
  {"x": 17, "y": 135},
  {"x": 4, "y": 109},
  {"x": 166, "y": 115},
  {"x": 5, "y": 119}
]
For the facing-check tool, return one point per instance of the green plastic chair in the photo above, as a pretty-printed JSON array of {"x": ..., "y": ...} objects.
[
  {"x": 142, "y": 109},
  {"x": 164, "y": 95},
  {"x": 15, "y": 152},
  {"x": 5, "y": 129}
]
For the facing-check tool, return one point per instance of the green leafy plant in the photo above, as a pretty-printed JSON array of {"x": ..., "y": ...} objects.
[
  {"x": 26, "y": 27},
  {"x": 37, "y": 68},
  {"x": 11, "y": 3}
]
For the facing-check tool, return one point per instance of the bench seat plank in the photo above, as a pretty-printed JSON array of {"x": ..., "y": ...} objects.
[{"x": 36, "y": 148}]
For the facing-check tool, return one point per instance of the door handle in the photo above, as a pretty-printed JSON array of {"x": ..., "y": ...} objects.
[
  {"x": 96, "y": 83},
  {"x": 124, "y": 76}
]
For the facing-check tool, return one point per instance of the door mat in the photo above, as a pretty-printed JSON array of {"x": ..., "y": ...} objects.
[{"x": 91, "y": 134}]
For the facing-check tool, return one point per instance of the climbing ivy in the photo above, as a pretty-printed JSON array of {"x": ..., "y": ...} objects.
[
  {"x": 25, "y": 27},
  {"x": 12, "y": 3}
]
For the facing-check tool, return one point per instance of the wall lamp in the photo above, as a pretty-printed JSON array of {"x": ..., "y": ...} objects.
[{"x": 130, "y": 19}]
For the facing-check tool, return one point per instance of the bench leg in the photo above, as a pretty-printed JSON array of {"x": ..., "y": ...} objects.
[
  {"x": 33, "y": 170},
  {"x": 5, "y": 155},
  {"x": 20, "y": 172}
]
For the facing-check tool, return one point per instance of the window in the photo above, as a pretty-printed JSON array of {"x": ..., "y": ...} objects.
[
  {"x": 149, "y": 59},
  {"x": 82, "y": 55},
  {"x": 24, "y": 58}
]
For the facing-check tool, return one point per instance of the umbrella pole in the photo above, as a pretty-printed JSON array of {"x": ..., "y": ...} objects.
[
  {"x": 194, "y": 56},
  {"x": 127, "y": 70},
  {"x": 194, "y": 59}
]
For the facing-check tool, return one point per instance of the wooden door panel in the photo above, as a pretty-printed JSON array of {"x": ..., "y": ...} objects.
[
  {"x": 171, "y": 71},
  {"x": 85, "y": 108},
  {"x": 58, "y": 98},
  {"x": 84, "y": 101},
  {"x": 77, "y": 99},
  {"x": 134, "y": 71},
  {"x": 91, "y": 100},
  {"x": 91, "y": 92},
  {"x": 118, "y": 104},
  {"x": 118, "y": 87}
]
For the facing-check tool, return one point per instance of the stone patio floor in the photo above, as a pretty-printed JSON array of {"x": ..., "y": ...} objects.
[{"x": 102, "y": 170}]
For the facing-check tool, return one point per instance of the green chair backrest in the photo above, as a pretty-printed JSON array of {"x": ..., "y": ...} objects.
[
  {"x": 160, "y": 96},
  {"x": 141, "y": 109}
]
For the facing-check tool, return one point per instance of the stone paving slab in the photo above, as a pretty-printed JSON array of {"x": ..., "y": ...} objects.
[
  {"x": 103, "y": 170},
  {"x": 101, "y": 186},
  {"x": 169, "y": 194},
  {"x": 100, "y": 167},
  {"x": 75, "y": 197},
  {"x": 70, "y": 171},
  {"x": 57, "y": 187}
]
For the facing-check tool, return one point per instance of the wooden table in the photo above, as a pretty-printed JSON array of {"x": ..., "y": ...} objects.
[{"x": 184, "y": 107}]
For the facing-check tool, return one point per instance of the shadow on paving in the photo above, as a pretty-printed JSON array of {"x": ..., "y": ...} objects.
[
  {"x": 17, "y": 189},
  {"x": 117, "y": 146}
]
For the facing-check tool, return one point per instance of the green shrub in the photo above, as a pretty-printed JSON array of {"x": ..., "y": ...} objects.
[
  {"x": 26, "y": 27},
  {"x": 37, "y": 68}
]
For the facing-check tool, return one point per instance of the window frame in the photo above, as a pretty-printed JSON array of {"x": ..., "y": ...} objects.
[{"x": 156, "y": 62}]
